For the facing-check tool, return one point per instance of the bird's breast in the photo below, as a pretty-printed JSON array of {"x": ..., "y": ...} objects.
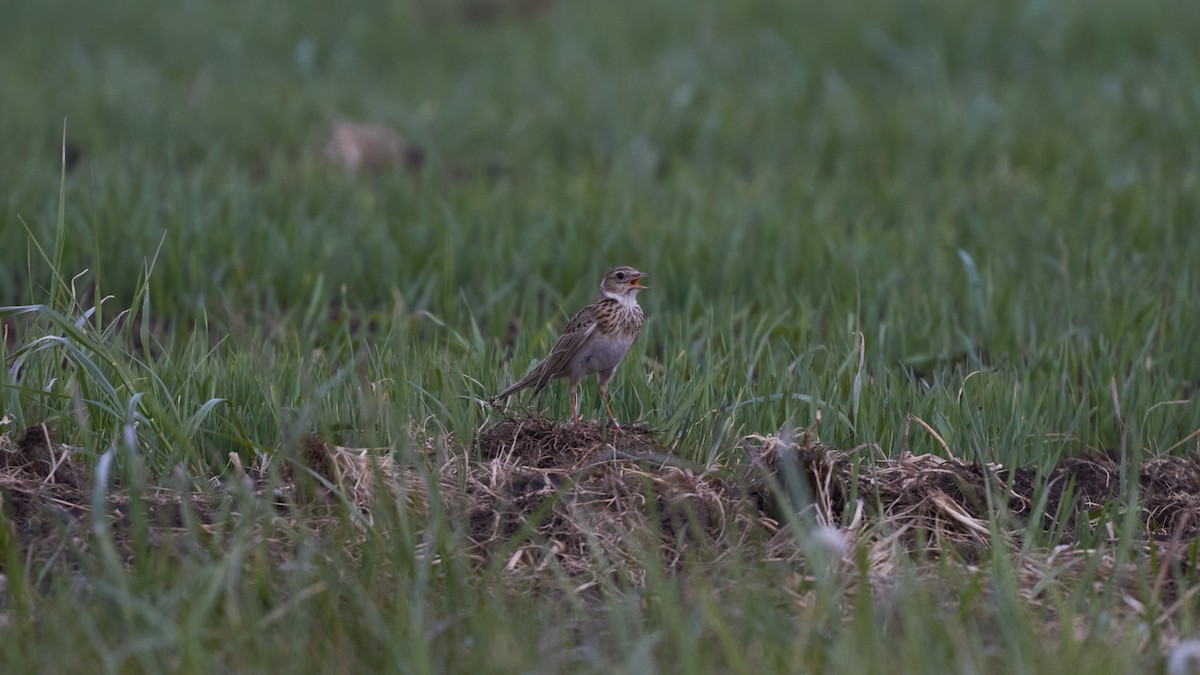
[{"x": 602, "y": 352}]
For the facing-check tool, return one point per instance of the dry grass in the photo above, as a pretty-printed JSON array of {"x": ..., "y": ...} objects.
[
  {"x": 588, "y": 501},
  {"x": 594, "y": 506}
]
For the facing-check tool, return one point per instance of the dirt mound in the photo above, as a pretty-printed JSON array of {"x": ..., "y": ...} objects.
[
  {"x": 593, "y": 503},
  {"x": 587, "y": 500},
  {"x": 46, "y": 504},
  {"x": 545, "y": 443},
  {"x": 948, "y": 504},
  {"x": 544, "y": 504},
  {"x": 40, "y": 493},
  {"x": 313, "y": 470},
  {"x": 34, "y": 457}
]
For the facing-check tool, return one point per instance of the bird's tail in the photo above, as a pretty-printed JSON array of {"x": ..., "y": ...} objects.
[{"x": 529, "y": 380}]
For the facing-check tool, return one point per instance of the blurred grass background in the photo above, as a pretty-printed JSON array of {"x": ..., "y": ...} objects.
[
  {"x": 980, "y": 215},
  {"x": 1006, "y": 190}
]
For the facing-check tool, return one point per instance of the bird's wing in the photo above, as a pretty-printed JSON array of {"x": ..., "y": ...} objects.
[
  {"x": 574, "y": 336},
  {"x": 578, "y": 329}
]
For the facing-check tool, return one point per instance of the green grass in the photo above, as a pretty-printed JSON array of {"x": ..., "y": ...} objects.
[{"x": 827, "y": 196}]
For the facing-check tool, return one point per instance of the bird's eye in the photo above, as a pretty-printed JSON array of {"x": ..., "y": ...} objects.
[{"x": 620, "y": 276}]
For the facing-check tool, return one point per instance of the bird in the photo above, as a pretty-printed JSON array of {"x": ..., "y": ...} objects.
[{"x": 595, "y": 341}]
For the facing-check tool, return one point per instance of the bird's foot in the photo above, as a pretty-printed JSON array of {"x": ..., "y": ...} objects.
[{"x": 612, "y": 424}]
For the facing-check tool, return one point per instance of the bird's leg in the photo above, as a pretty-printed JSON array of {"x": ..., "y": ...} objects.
[
  {"x": 612, "y": 420},
  {"x": 574, "y": 405}
]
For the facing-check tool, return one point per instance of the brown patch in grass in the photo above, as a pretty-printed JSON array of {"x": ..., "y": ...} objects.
[
  {"x": 46, "y": 502},
  {"x": 311, "y": 465},
  {"x": 545, "y": 493},
  {"x": 539, "y": 442},
  {"x": 358, "y": 474},
  {"x": 950, "y": 503},
  {"x": 35, "y": 457},
  {"x": 371, "y": 148},
  {"x": 586, "y": 500},
  {"x": 46, "y": 498},
  {"x": 545, "y": 501},
  {"x": 964, "y": 511},
  {"x": 39, "y": 489}
]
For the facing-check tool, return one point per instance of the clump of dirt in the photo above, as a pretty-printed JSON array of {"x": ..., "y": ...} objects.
[
  {"x": 540, "y": 442},
  {"x": 587, "y": 500},
  {"x": 40, "y": 489},
  {"x": 1170, "y": 492},
  {"x": 933, "y": 504},
  {"x": 311, "y": 466},
  {"x": 588, "y": 503},
  {"x": 940, "y": 504},
  {"x": 34, "y": 457},
  {"x": 47, "y": 504}
]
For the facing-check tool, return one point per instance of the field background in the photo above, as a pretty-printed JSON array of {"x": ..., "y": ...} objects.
[{"x": 854, "y": 214}]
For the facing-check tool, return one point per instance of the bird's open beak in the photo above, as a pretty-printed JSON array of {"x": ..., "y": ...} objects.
[{"x": 637, "y": 282}]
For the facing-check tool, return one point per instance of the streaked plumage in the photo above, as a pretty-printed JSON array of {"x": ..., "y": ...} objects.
[{"x": 594, "y": 341}]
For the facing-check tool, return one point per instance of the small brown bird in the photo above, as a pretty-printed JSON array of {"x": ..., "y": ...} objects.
[{"x": 594, "y": 341}]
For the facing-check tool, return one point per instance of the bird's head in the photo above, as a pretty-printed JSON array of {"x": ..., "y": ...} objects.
[{"x": 623, "y": 281}]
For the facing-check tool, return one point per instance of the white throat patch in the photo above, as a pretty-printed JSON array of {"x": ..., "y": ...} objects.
[{"x": 628, "y": 301}]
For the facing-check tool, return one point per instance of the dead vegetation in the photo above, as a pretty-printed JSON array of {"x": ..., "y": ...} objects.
[
  {"x": 47, "y": 507},
  {"x": 588, "y": 501},
  {"x": 594, "y": 505}
]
